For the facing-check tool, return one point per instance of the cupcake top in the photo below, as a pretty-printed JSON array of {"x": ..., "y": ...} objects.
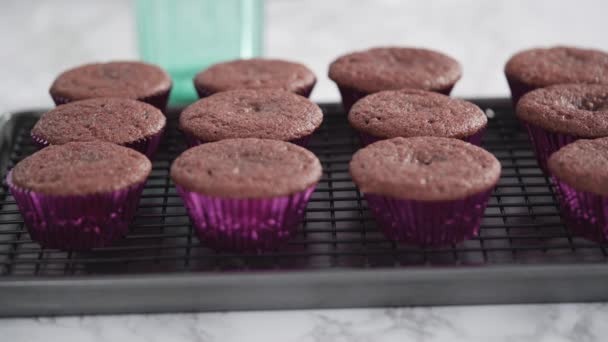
[
  {"x": 256, "y": 73},
  {"x": 583, "y": 165},
  {"x": 246, "y": 168},
  {"x": 424, "y": 169},
  {"x": 541, "y": 67},
  {"x": 81, "y": 168},
  {"x": 575, "y": 109},
  {"x": 117, "y": 120},
  {"x": 134, "y": 80},
  {"x": 409, "y": 113},
  {"x": 243, "y": 113},
  {"x": 389, "y": 68}
]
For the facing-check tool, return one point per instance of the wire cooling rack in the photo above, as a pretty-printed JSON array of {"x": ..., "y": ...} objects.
[{"x": 521, "y": 224}]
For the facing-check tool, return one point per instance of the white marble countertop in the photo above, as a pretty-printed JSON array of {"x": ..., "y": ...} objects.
[
  {"x": 40, "y": 39},
  {"x": 512, "y": 323}
]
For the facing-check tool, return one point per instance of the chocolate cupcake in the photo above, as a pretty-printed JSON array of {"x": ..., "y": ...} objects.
[
  {"x": 132, "y": 80},
  {"x": 267, "y": 114},
  {"x": 411, "y": 113},
  {"x": 558, "y": 115},
  {"x": 246, "y": 194},
  {"x": 428, "y": 191},
  {"x": 362, "y": 73},
  {"x": 542, "y": 67},
  {"x": 121, "y": 121},
  {"x": 580, "y": 175},
  {"x": 79, "y": 195},
  {"x": 255, "y": 73}
]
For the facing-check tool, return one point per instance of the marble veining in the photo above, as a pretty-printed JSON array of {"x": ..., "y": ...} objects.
[{"x": 508, "y": 323}]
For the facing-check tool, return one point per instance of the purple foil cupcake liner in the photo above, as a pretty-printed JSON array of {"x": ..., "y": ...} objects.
[
  {"x": 147, "y": 146},
  {"x": 159, "y": 101},
  {"x": 427, "y": 223},
  {"x": 306, "y": 91},
  {"x": 474, "y": 139},
  {"x": 584, "y": 213},
  {"x": 350, "y": 95},
  {"x": 77, "y": 222},
  {"x": 60, "y": 100},
  {"x": 518, "y": 89},
  {"x": 38, "y": 141},
  {"x": 202, "y": 92},
  {"x": 545, "y": 143},
  {"x": 193, "y": 141},
  {"x": 245, "y": 224}
]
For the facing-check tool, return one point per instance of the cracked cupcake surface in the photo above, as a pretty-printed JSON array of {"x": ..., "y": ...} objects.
[
  {"x": 542, "y": 67},
  {"x": 424, "y": 169},
  {"x": 410, "y": 113},
  {"x": 387, "y": 68},
  {"x": 255, "y": 73},
  {"x": 246, "y": 168},
  {"x": 81, "y": 168},
  {"x": 246, "y": 113},
  {"x": 361, "y": 73},
  {"x": 126, "y": 79},
  {"x": 575, "y": 109},
  {"x": 117, "y": 120}
]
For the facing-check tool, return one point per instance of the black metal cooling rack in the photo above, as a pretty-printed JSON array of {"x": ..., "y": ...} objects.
[{"x": 339, "y": 239}]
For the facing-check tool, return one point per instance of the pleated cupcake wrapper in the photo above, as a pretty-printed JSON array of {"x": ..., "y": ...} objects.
[
  {"x": 474, "y": 139},
  {"x": 350, "y": 95},
  {"x": 159, "y": 100},
  {"x": 306, "y": 91},
  {"x": 203, "y": 92},
  {"x": 426, "y": 223},
  {"x": 518, "y": 89},
  {"x": 545, "y": 143},
  {"x": 244, "y": 225},
  {"x": 59, "y": 100},
  {"x": 147, "y": 146},
  {"x": 193, "y": 141},
  {"x": 584, "y": 213},
  {"x": 77, "y": 222}
]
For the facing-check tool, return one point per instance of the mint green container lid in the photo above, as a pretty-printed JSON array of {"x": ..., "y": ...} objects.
[{"x": 187, "y": 36}]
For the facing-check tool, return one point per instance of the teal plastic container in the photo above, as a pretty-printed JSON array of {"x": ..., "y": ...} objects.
[{"x": 187, "y": 36}]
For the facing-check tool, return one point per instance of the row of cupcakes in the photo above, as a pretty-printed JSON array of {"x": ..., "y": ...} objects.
[
  {"x": 247, "y": 194},
  {"x": 357, "y": 74},
  {"x": 281, "y": 115},
  {"x": 427, "y": 114},
  {"x": 561, "y": 98},
  {"x": 241, "y": 194},
  {"x": 266, "y": 114}
]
